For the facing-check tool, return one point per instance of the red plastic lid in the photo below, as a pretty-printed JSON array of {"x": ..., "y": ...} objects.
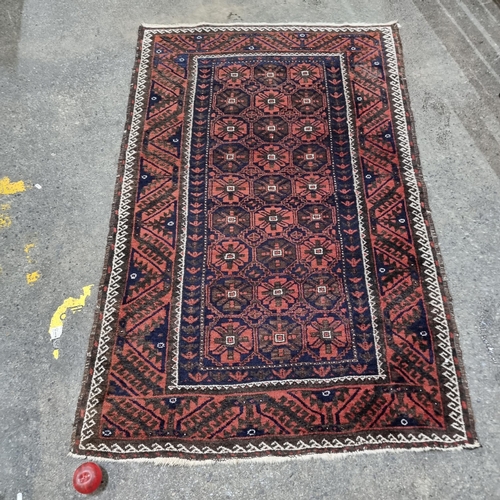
[{"x": 87, "y": 478}]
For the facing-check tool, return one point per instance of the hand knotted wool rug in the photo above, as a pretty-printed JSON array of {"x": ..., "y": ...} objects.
[{"x": 272, "y": 284}]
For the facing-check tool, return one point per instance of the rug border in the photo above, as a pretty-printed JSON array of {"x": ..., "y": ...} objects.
[
  {"x": 469, "y": 427},
  {"x": 433, "y": 237}
]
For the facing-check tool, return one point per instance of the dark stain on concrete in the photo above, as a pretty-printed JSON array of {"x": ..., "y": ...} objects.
[
  {"x": 468, "y": 36},
  {"x": 10, "y": 32}
]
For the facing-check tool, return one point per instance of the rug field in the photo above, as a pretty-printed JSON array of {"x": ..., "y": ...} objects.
[{"x": 272, "y": 284}]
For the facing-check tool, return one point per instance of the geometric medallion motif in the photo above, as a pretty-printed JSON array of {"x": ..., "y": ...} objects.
[{"x": 272, "y": 285}]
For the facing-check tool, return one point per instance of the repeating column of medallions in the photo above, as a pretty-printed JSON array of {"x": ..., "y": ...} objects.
[{"x": 274, "y": 289}]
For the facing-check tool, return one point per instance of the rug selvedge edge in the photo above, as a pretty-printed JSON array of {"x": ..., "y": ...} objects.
[
  {"x": 93, "y": 345},
  {"x": 433, "y": 238}
]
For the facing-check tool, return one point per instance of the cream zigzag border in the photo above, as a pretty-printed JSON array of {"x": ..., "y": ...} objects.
[{"x": 428, "y": 265}]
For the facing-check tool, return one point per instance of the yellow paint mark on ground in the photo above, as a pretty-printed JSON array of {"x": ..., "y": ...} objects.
[
  {"x": 27, "y": 249},
  {"x": 57, "y": 321},
  {"x": 32, "y": 278},
  {"x": 5, "y": 220},
  {"x": 7, "y": 187}
]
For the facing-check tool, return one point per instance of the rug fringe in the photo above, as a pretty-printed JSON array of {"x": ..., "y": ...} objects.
[
  {"x": 176, "y": 461},
  {"x": 272, "y": 25}
]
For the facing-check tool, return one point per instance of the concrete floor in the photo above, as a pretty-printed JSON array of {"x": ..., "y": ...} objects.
[{"x": 65, "y": 68}]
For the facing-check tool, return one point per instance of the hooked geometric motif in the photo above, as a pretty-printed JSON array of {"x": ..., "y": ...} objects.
[{"x": 272, "y": 285}]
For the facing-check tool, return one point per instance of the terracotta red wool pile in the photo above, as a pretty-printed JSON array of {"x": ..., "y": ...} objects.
[{"x": 272, "y": 285}]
